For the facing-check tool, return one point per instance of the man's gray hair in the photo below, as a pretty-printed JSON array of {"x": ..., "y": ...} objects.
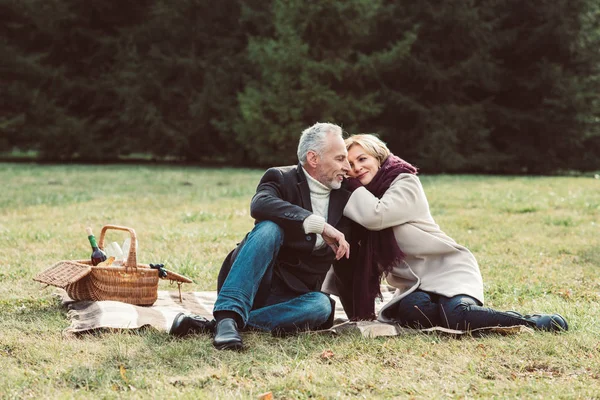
[{"x": 315, "y": 139}]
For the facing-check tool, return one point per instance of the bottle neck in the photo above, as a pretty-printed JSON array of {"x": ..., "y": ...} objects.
[{"x": 92, "y": 240}]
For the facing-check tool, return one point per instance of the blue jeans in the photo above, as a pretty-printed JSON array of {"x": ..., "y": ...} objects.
[
  {"x": 421, "y": 309},
  {"x": 280, "y": 311}
]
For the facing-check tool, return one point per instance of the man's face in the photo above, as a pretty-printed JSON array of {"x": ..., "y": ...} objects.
[{"x": 332, "y": 165}]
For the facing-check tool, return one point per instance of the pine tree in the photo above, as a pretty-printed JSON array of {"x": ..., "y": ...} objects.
[
  {"x": 545, "y": 113},
  {"x": 310, "y": 67},
  {"x": 436, "y": 95}
]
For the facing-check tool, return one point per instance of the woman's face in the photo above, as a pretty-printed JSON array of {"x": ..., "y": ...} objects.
[{"x": 363, "y": 166}]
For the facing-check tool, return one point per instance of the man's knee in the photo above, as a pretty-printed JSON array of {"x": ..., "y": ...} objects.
[
  {"x": 309, "y": 311},
  {"x": 318, "y": 306},
  {"x": 269, "y": 232}
]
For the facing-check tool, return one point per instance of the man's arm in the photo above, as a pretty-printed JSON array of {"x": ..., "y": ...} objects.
[
  {"x": 273, "y": 202},
  {"x": 268, "y": 203}
]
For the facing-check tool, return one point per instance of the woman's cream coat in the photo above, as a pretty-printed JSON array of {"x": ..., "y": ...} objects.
[{"x": 434, "y": 262}]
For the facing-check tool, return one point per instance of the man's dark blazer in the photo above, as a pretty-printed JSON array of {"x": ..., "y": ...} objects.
[{"x": 283, "y": 196}]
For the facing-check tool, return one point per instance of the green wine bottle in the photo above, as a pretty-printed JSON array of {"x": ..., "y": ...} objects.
[{"x": 97, "y": 255}]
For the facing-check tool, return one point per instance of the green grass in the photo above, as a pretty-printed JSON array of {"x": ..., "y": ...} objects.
[{"x": 536, "y": 238}]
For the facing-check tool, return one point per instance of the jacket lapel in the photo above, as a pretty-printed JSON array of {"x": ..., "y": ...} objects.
[
  {"x": 303, "y": 189},
  {"x": 337, "y": 202}
]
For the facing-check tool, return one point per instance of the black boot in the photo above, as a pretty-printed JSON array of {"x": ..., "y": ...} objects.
[
  {"x": 189, "y": 324},
  {"x": 227, "y": 336},
  {"x": 544, "y": 322}
]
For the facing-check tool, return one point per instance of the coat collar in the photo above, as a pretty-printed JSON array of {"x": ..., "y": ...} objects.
[{"x": 303, "y": 188}]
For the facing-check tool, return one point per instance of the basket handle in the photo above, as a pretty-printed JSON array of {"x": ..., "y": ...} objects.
[{"x": 131, "y": 257}]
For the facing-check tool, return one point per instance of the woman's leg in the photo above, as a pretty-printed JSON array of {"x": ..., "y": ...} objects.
[
  {"x": 465, "y": 313},
  {"x": 416, "y": 310}
]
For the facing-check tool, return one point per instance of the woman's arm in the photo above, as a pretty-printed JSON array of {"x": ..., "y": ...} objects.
[{"x": 404, "y": 201}]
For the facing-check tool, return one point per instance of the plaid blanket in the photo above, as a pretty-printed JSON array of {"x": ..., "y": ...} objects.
[
  {"x": 87, "y": 316},
  {"x": 91, "y": 315}
]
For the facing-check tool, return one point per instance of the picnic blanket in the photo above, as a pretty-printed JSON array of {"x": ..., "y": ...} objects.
[{"x": 88, "y": 316}]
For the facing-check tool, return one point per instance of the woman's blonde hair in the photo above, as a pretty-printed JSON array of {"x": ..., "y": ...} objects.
[{"x": 374, "y": 146}]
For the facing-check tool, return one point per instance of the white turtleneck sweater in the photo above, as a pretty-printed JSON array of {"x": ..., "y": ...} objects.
[{"x": 319, "y": 198}]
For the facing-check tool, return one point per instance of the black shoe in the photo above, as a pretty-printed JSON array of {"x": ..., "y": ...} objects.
[
  {"x": 189, "y": 324},
  {"x": 227, "y": 336},
  {"x": 548, "y": 322},
  {"x": 543, "y": 322}
]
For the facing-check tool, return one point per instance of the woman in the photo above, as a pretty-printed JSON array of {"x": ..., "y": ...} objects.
[{"x": 438, "y": 281}]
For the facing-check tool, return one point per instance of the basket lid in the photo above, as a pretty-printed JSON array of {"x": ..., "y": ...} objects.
[
  {"x": 174, "y": 276},
  {"x": 63, "y": 273}
]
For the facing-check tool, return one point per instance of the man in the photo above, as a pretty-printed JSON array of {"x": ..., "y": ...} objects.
[{"x": 272, "y": 280}]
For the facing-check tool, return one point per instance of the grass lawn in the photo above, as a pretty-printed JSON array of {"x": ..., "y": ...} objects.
[{"x": 537, "y": 240}]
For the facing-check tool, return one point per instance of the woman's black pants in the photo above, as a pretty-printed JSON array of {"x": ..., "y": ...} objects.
[{"x": 421, "y": 309}]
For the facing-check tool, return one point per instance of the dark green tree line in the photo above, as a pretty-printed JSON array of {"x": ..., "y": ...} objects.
[{"x": 454, "y": 85}]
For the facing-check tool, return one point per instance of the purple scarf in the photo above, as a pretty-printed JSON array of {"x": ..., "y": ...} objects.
[{"x": 378, "y": 251}]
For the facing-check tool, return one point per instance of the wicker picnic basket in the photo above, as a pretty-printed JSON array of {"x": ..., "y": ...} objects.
[{"x": 131, "y": 283}]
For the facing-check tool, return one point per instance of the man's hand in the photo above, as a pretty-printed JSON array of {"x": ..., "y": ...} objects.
[{"x": 337, "y": 241}]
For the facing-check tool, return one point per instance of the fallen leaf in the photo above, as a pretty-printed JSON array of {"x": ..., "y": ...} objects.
[
  {"x": 122, "y": 370},
  {"x": 327, "y": 355}
]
